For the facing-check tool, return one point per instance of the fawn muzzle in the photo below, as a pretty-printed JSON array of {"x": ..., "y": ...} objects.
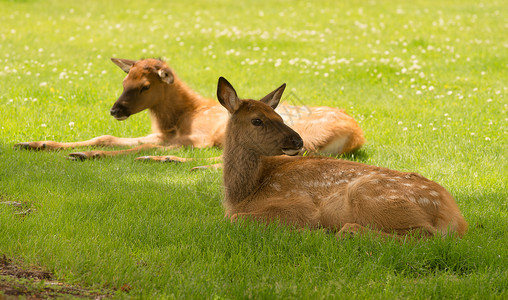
[
  {"x": 292, "y": 145},
  {"x": 119, "y": 113}
]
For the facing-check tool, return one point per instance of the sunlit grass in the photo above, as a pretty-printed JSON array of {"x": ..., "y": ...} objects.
[{"x": 426, "y": 80}]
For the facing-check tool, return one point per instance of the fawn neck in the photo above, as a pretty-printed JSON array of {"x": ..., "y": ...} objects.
[
  {"x": 242, "y": 170},
  {"x": 177, "y": 102}
]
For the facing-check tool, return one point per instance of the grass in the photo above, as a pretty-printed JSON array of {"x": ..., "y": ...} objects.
[{"x": 425, "y": 79}]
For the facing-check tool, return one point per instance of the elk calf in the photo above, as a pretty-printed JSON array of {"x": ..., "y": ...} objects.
[
  {"x": 320, "y": 192},
  {"x": 181, "y": 117}
]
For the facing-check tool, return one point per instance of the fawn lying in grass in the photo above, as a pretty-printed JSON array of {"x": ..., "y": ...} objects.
[
  {"x": 181, "y": 117},
  {"x": 320, "y": 192}
]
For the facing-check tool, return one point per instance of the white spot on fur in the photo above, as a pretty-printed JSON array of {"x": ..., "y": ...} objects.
[
  {"x": 424, "y": 187},
  {"x": 341, "y": 181},
  {"x": 424, "y": 201},
  {"x": 407, "y": 184},
  {"x": 434, "y": 193},
  {"x": 276, "y": 186},
  {"x": 412, "y": 199},
  {"x": 317, "y": 184}
]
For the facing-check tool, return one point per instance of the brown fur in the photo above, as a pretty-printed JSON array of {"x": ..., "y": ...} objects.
[
  {"x": 181, "y": 117},
  {"x": 321, "y": 192}
]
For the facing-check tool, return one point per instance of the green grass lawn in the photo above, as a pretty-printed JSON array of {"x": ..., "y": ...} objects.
[{"x": 426, "y": 80}]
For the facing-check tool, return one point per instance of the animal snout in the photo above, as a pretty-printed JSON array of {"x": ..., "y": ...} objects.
[
  {"x": 293, "y": 144},
  {"x": 296, "y": 141},
  {"x": 114, "y": 111},
  {"x": 119, "y": 112}
]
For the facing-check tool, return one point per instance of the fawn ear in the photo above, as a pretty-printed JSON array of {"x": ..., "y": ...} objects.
[
  {"x": 124, "y": 64},
  {"x": 227, "y": 95},
  {"x": 273, "y": 98},
  {"x": 166, "y": 75}
]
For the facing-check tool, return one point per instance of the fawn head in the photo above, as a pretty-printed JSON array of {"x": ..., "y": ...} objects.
[
  {"x": 255, "y": 126},
  {"x": 143, "y": 87}
]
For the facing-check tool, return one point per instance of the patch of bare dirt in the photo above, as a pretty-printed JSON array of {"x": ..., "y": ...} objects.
[{"x": 35, "y": 283}]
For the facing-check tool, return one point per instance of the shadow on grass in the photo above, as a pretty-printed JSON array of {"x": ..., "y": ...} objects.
[{"x": 359, "y": 155}]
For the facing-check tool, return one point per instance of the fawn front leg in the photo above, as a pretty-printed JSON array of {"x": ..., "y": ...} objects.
[
  {"x": 100, "y": 141},
  {"x": 101, "y": 153}
]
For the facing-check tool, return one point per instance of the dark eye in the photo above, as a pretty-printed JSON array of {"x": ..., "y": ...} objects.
[
  {"x": 256, "y": 122},
  {"x": 144, "y": 88}
]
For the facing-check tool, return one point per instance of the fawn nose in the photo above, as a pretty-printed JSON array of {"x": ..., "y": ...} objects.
[
  {"x": 114, "y": 111},
  {"x": 119, "y": 112},
  {"x": 293, "y": 144},
  {"x": 297, "y": 141}
]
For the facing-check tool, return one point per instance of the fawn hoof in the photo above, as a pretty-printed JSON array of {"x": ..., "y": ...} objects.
[
  {"x": 85, "y": 155},
  {"x": 164, "y": 159},
  {"x": 30, "y": 146},
  {"x": 77, "y": 156},
  {"x": 170, "y": 160},
  {"x": 144, "y": 158},
  {"x": 199, "y": 168},
  {"x": 25, "y": 146}
]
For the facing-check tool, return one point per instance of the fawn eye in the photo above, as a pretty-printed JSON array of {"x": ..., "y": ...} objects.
[
  {"x": 144, "y": 88},
  {"x": 256, "y": 122}
]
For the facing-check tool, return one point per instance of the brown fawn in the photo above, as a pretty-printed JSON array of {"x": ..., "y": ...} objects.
[
  {"x": 320, "y": 192},
  {"x": 181, "y": 117}
]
